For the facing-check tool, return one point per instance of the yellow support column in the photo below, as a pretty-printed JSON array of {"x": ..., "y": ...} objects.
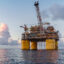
[
  {"x": 25, "y": 45},
  {"x": 56, "y": 45},
  {"x": 33, "y": 45},
  {"x": 50, "y": 44}
]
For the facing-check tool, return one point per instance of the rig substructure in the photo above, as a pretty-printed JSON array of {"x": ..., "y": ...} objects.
[{"x": 39, "y": 33}]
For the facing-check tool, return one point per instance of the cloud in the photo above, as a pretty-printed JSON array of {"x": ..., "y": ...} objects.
[
  {"x": 55, "y": 12},
  {"x": 5, "y": 35}
]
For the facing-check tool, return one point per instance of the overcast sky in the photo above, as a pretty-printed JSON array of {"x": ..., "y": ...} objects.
[{"x": 14, "y": 13}]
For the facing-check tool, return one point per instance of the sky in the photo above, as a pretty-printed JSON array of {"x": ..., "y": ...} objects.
[{"x": 14, "y": 13}]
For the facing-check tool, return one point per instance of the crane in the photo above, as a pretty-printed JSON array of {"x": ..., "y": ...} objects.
[{"x": 25, "y": 28}]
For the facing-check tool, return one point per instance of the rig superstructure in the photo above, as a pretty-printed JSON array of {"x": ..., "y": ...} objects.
[{"x": 38, "y": 33}]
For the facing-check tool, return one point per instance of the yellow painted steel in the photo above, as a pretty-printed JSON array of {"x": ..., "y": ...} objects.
[
  {"x": 33, "y": 45},
  {"x": 25, "y": 44},
  {"x": 56, "y": 45},
  {"x": 50, "y": 44}
]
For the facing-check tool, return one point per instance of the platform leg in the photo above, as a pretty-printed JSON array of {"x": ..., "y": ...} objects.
[
  {"x": 25, "y": 45},
  {"x": 33, "y": 45},
  {"x": 56, "y": 45},
  {"x": 50, "y": 44}
]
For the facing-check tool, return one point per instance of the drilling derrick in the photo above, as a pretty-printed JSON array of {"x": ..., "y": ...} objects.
[
  {"x": 38, "y": 33},
  {"x": 39, "y": 16}
]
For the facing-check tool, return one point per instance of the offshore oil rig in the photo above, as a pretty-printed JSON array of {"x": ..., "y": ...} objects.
[{"x": 39, "y": 33}]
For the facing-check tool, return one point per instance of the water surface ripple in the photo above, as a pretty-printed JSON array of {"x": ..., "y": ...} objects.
[{"x": 18, "y": 56}]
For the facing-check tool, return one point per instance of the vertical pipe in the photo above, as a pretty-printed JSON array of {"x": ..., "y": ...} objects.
[
  {"x": 33, "y": 45},
  {"x": 25, "y": 45}
]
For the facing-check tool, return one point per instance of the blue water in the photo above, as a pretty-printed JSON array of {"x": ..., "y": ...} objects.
[{"x": 18, "y": 56}]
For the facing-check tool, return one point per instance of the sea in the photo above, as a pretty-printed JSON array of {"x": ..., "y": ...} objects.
[{"x": 14, "y": 55}]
